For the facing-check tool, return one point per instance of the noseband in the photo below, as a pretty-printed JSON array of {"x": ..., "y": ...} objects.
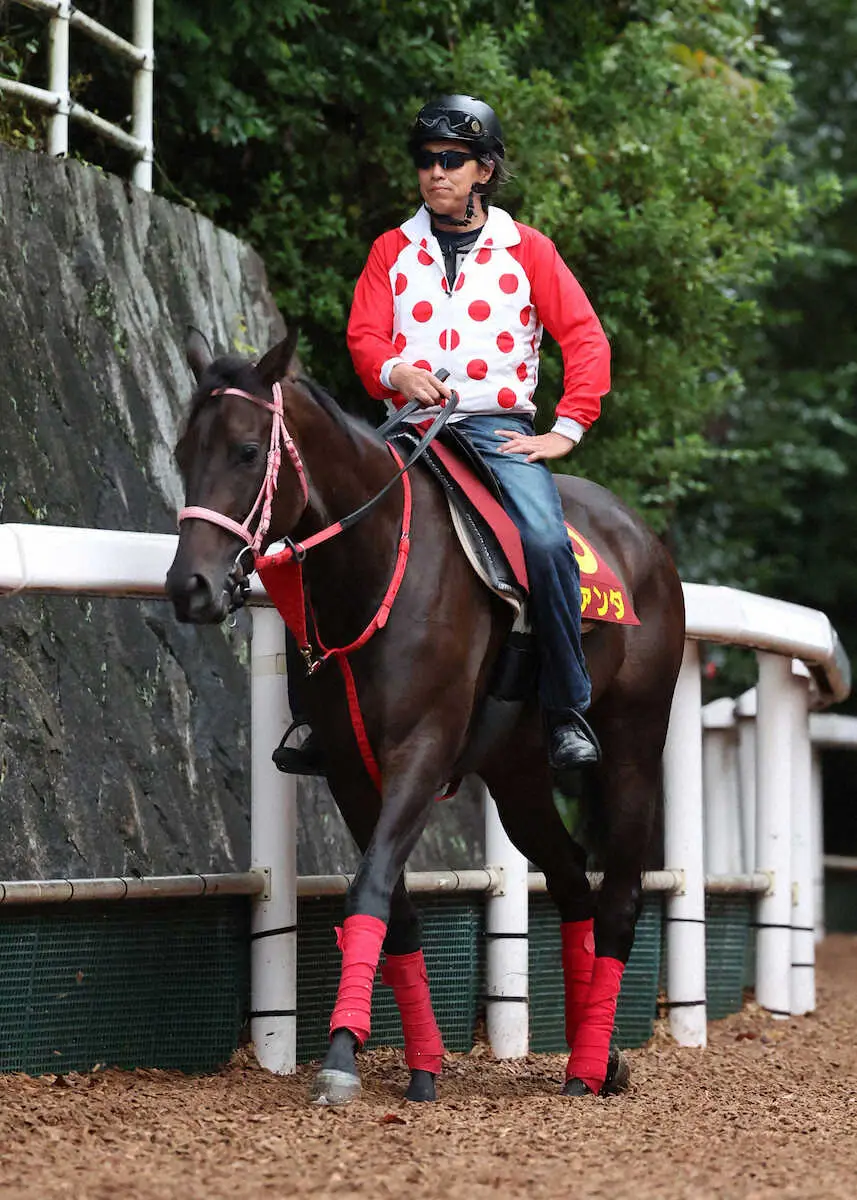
[{"x": 280, "y": 437}]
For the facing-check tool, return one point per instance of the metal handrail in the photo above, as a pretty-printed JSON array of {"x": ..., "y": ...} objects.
[{"x": 57, "y": 99}]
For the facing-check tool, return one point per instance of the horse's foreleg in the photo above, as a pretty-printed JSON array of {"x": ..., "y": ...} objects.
[
  {"x": 408, "y": 796},
  {"x": 629, "y": 796}
]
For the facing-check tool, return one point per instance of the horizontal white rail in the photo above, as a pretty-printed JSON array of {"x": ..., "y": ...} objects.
[
  {"x": 839, "y": 862},
  {"x": 833, "y": 731},
  {"x": 54, "y": 558},
  {"x": 94, "y": 30},
  {"x": 131, "y": 887},
  {"x": 35, "y": 95},
  {"x": 76, "y": 112},
  {"x": 253, "y": 883},
  {"x": 110, "y": 132},
  {"x": 488, "y": 879},
  {"x": 733, "y": 617}
]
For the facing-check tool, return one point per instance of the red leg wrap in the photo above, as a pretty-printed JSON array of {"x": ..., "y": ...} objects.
[
  {"x": 588, "y": 1059},
  {"x": 406, "y": 974},
  {"x": 360, "y": 940},
  {"x": 578, "y": 959}
]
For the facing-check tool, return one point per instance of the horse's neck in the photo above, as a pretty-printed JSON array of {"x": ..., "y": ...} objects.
[{"x": 345, "y": 467}]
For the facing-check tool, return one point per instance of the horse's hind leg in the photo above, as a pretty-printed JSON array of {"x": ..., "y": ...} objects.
[
  {"x": 630, "y": 788},
  {"x": 524, "y": 796}
]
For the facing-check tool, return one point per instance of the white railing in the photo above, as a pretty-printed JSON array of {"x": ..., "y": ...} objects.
[
  {"x": 730, "y": 768},
  {"x": 57, "y": 99},
  {"x": 776, "y": 863}
]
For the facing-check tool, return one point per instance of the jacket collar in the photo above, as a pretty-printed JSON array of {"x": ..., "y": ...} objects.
[{"x": 499, "y": 227}]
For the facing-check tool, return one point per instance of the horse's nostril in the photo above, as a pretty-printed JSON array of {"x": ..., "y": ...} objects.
[
  {"x": 192, "y": 596},
  {"x": 197, "y": 585}
]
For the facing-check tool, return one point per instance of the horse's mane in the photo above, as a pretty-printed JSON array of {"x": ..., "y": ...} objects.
[{"x": 232, "y": 370}]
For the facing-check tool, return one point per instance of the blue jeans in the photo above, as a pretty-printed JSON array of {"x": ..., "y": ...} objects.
[{"x": 532, "y": 501}]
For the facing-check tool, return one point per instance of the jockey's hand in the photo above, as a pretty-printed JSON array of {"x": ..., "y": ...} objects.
[
  {"x": 535, "y": 445},
  {"x": 415, "y": 383}
]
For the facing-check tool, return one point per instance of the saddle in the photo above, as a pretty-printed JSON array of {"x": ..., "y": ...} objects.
[
  {"x": 491, "y": 540},
  {"x": 487, "y": 533}
]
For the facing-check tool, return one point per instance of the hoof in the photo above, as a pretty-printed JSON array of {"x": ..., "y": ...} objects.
[
  {"x": 421, "y": 1088},
  {"x": 618, "y": 1077},
  {"x": 617, "y": 1080},
  {"x": 575, "y": 1087},
  {"x": 334, "y": 1087}
]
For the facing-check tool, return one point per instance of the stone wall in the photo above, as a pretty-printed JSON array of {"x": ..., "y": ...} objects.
[{"x": 123, "y": 735}]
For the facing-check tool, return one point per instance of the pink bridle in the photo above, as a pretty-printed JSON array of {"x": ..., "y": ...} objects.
[{"x": 280, "y": 437}]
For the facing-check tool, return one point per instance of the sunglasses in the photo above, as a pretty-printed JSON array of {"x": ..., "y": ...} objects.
[{"x": 447, "y": 160}]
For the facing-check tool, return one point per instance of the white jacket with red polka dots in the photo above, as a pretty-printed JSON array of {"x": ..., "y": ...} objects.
[{"x": 486, "y": 329}]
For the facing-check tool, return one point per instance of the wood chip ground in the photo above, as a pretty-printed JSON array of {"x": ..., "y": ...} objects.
[{"x": 769, "y": 1109}]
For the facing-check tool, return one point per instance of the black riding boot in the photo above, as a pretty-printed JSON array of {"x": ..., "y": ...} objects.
[{"x": 573, "y": 743}]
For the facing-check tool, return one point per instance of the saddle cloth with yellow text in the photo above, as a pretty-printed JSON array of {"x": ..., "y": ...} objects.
[{"x": 602, "y": 596}]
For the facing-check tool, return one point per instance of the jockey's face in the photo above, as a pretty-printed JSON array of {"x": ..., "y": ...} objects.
[{"x": 446, "y": 191}]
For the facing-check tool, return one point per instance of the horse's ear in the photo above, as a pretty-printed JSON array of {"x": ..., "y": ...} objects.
[
  {"x": 198, "y": 351},
  {"x": 275, "y": 365}
]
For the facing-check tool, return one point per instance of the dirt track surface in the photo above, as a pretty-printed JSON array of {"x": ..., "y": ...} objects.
[{"x": 769, "y": 1109}]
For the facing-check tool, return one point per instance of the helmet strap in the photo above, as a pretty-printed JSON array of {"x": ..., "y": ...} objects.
[{"x": 445, "y": 220}]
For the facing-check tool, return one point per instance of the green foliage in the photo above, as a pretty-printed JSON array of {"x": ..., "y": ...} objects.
[
  {"x": 20, "y": 126},
  {"x": 779, "y": 515},
  {"x": 646, "y": 146},
  {"x": 646, "y": 139}
]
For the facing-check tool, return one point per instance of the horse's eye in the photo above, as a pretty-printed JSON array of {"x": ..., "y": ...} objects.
[{"x": 248, "y": 453}]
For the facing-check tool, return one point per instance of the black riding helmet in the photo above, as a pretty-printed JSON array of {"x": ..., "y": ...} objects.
[{"x": 458, "y": 119}]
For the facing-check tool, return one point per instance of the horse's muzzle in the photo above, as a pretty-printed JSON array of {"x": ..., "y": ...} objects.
[{"x": 195, "y": 600}]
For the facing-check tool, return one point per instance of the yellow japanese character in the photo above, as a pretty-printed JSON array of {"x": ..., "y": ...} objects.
[{"x": 618, "y": 602}]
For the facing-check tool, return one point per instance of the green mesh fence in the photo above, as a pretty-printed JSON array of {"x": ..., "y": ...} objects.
[
  {"x": 840, "y": 901},
  {"x": 165, "y": 984},
  {"x": 153, "y": 983},
  {"x": 450, "y": 930},
  {"x": 727, "y": 921},
  {"x": 637, "y": 1005}
]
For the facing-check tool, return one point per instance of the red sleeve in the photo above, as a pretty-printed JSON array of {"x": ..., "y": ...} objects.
[
  {"x": 567, "y": 315},
  {"x": 370, "y": 325}
]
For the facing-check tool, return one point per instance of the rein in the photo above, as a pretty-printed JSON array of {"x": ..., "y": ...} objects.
[
  {"x": 282, "y": 573},
  {"x": 296, "y": 552}
]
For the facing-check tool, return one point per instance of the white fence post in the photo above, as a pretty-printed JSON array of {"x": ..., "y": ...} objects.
[
  {"x": 817, "y": 800},
  {"x": 273, "y": 839},
  {"x": 773, "y": 833},
  {"x": 58, "y": 78},
  {"x": 803, "y": 863},
  {"x": 683, "y": 848},
  {"x": 745, "y": 716},
  {"x": 720, "y": 789},
  {"x": 507, "y": 942},
  {"x": 143, "y": 96}
]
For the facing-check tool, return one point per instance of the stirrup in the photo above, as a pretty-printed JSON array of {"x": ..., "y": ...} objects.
[{"x": 305, "y": 759}]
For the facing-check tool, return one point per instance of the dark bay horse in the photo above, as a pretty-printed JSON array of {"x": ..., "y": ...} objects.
[{"x": 420, "y": 681}]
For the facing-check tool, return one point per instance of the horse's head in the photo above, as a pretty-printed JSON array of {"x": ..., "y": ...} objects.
[{"x": 232, "y": 434}]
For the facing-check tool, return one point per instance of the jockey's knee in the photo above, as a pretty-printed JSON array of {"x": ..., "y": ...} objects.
[{"x": 544, "y": 544}]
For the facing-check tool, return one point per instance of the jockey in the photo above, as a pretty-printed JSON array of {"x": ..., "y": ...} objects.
[{"x": 462, "y": 286}]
